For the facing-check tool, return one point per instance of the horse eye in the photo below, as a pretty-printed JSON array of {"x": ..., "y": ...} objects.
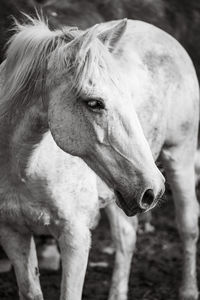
[{"x": 95, "y": 104}]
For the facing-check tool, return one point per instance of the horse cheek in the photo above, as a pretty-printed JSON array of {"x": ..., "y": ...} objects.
[{"x": 68, "y": 129}]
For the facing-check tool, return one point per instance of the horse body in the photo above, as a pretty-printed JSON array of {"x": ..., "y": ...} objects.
[
  {"x": 165, "y": 94},
  {"x": 58, "y": 196},
  {"x": 135, "y": 105},
  {"x": 155, "y": 66}
]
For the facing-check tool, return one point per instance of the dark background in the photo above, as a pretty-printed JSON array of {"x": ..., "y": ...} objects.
[
  {"x": 181, "y": 18},
  {"x": 156, "y": 266}
]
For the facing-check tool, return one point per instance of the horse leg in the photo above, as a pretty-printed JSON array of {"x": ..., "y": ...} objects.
[
  {"x": 48, "y": 255},
  {"x": 20, "y": 249},
  {"x": 123, "y": 230},
  {"x": 179, "y": 162},
  {"x": 197, "y": 166},
  {"x": 146, "y": 220},
  {"x": 74, "y": 246}
]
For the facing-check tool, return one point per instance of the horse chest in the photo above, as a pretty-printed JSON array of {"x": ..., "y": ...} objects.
[{"x": 63, "y": 186}]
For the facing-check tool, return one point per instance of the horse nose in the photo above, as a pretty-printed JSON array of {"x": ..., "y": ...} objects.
[{"x": 147, "y": 199}]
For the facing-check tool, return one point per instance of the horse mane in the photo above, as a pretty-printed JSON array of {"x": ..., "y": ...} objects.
[
  {"x": 30, "y": 49},
  {"x": 91, "y": 60},
  {"x": 24, "y": 70}
]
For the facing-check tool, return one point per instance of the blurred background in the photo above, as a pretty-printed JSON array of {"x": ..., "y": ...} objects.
[
  {"x": 181, "y": 18},
  {"x": 156, "y": 266}
]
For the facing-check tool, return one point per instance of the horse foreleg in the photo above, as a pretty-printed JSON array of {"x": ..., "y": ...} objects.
[
  {"x": 74, "y": 246},
  {"x": 123, "y": 230},
  {"x": 180, "y": 173},
  {"x": 20, "y": 249},
  {"x": 197, "y": 166}
]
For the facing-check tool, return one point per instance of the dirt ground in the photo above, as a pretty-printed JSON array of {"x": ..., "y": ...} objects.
[{"x": 156, "y": 265}]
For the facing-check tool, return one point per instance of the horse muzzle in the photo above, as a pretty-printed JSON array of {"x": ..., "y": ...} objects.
[{"x": 145, "y": 203}]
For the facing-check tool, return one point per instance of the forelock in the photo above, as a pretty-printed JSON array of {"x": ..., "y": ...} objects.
[{"x": 86, "y": 58}]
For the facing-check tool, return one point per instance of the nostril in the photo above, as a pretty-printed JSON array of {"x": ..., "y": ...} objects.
[{"x": 147, "y": 199}]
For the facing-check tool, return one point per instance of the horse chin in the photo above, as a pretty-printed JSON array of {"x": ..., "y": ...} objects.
[{"x": 130, "y": 212}]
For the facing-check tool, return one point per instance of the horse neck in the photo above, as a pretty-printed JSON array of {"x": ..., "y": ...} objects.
[{"x": 20, "y": 133}]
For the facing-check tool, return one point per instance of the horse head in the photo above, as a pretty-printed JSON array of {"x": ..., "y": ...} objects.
[
  {"x": 86, "y": 102},
  {"x": 91, "y": 115}
]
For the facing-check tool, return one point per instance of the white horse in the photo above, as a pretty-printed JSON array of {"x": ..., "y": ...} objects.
[{"x": 118, "y": 95}]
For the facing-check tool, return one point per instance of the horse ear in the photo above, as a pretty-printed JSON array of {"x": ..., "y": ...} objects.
[
  {"x": 110, "y": 37},
  {"x": 84, "y": 39}
]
